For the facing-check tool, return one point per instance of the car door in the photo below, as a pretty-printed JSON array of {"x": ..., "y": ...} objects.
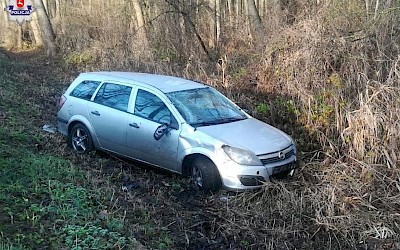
[
  {"x": 150, "y": 111},
  {"x": 108, "y": 115}
]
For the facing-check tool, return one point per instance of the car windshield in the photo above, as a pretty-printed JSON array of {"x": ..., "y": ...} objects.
[{"x": 205, "y": 106}]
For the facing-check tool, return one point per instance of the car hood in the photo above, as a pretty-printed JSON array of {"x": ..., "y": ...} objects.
[{"x": 250, "y": 134}]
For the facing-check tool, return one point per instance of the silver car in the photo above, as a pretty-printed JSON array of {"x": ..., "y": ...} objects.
[{"x": 176, "y": 124}]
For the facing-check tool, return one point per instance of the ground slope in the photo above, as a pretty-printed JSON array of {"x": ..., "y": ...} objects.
[{"x": 51, "y": 198}]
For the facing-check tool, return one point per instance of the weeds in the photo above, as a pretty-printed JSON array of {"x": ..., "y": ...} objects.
[
  {"x": 45, "y": 201},
  {"x": 262, "y": 108},
  {"x": 330, "y": 78},
  {"x": 43, "y": 192},
  {"x": 91, "y": 237}
]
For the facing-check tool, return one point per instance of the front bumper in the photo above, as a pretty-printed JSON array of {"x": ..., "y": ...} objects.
[{"x": 240, "y": 177}]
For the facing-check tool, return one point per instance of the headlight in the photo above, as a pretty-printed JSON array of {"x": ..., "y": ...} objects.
[{"x": 242, "y": 156}]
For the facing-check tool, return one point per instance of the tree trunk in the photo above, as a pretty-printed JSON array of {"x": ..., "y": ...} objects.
[
  {"x": 229, "y": 11},
  {"x": 236, "y": 8},
  {"x": 36, "y": 31},
  {"x": 261, "y": 8},
  {"x": 247, "y": 22},
  {"x": 51, "y": 9},
  {"x": 211, "y": 25},
  {"x": 217, "y": 22},
  {"x": 59, "y": 28},
  {"x": 376, "y": 9},
  {"x": 4, "y": 39},
  {"x": 45, "y": 5},
  {"x": 255, "y": 19},
  {"x": 141, "y": 29},
  {"x": 47, "y": 30},
  {"x": 19, "y": 37}
]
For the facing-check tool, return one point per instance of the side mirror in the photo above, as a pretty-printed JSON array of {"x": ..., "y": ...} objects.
[{"x": 160, "y": 131}]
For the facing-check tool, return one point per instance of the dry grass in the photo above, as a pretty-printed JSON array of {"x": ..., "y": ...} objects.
[{"x": 330, "y": 77}]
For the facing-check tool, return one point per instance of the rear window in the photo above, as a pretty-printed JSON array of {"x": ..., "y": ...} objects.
[{"x": 85, "y": 89}]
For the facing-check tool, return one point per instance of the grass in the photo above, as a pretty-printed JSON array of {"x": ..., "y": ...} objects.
[
  {"x": 55, "y": 199},
  {"x": 46, "y": 200}
]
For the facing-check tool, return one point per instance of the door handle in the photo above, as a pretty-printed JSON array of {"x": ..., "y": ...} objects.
[
  {"x": 134, "y": 125},
  {"x": 95, "y": 113}
]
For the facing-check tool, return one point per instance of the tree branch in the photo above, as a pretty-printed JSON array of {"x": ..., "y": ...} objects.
[{"x": 187, "y": 18}]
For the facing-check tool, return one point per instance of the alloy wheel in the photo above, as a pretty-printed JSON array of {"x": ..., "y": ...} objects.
[
  {"x": 80, "y": 140},
  {"x": 197, "y": 177}
]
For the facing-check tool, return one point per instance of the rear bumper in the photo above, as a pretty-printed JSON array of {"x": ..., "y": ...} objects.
[{"x": 62, "y": 126}]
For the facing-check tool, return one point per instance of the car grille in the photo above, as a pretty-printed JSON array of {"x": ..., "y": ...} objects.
[
  {"x": 251, "y": 180},
  {"x": 276, "y": 158},
  {"x": 283, "y": 169}
]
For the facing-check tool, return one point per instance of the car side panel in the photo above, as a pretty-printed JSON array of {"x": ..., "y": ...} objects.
[
  {"x": 109, "y": 126},
  {"x": 74, "y": 110},
  {"x": 86, "y": 122},
  {"x": 142, "y": 145}
]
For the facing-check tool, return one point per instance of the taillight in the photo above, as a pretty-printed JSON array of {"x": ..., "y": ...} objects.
[{"x": 61, "y": 101}]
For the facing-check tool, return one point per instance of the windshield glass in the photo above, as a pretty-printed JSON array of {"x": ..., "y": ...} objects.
[{"x": 205, "y": 106}]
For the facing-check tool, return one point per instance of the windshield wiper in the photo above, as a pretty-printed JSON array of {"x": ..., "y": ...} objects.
[
  {"x": 219, "y": 121},
  {"x": 230, "y": 119},
  {"x": 201, "y": 124}
]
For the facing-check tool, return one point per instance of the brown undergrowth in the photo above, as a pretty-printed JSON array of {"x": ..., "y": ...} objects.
[
  {"x": 330, "y": 79},
  {"x": 330, "y": 203}
]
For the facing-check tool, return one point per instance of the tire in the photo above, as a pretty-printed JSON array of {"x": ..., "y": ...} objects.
[
  {"x": 80, "y": 139},
  {"x": 205, "y": 175}
]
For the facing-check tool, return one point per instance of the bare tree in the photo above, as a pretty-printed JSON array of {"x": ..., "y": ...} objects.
[
  {"x": 45, "y": 26},
  {"x": 255, "y": 19},
  {"x": 5, "y": 39},
  {"x": 19, "y": 37},
  {"x": 191, "y": 24},
  {"x": 36, "y": 30},
  {"x": 217, "y": 5},
  {"x": 140, "y": 24}
]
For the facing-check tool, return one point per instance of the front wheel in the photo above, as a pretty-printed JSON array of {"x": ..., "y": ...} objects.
[
  {"x": 205, "y": 175},
  {"x": 79, "y": 139}
]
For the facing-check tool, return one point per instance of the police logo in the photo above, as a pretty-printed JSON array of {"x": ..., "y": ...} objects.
[{"x": 20, "y": 10}]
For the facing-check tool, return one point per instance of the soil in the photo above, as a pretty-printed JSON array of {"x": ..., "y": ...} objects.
[
  {"x": 163, "y": 210},
  {"x": 174, "y": 207}
]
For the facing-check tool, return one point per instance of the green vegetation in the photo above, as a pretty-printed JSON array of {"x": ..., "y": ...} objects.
[
  {"x": 46, "y": 201},
  {"x": 326, "y": 72},
  {"x": 76, "y": 59},
  {"x": 262, "y": 108}
]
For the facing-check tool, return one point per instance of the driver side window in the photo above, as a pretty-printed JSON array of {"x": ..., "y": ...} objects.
[{"x": 150, "y": 107}]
